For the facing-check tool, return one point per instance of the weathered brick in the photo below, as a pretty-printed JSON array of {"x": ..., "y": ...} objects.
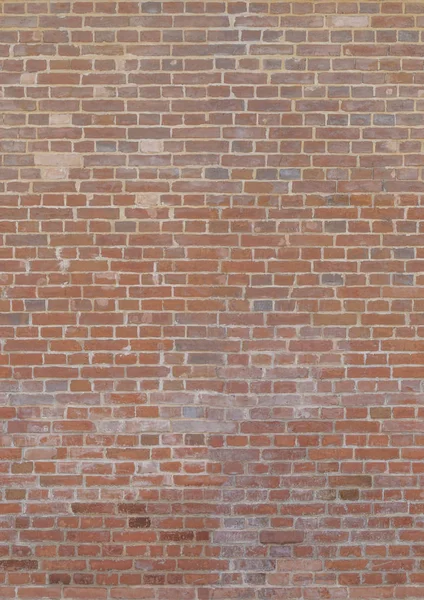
[
  {"x": 18, "y": 565},
  {"x": 91, "y": 508},
  {"x": 139, "y": 522},
  {"x": 60, "y": 578},
  {"x": 147, "y": 199},
  {"x": 349, "y": 494},
  {"x": 132, "y": 508},
  {"x": 289, "y": 536}
]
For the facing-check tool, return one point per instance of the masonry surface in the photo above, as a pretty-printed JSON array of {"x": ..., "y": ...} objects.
[{"x": 212, "y": 300}]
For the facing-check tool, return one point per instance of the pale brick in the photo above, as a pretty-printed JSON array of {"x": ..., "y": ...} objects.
[
  {"x": 346, "y": 21},
  {"x": 60, "y": 119},
  {"x": 151, "y": 146},
  {"x": 147, "y": 199},
  {"x": 54, "y": 173},
  {"x": 60, "y": 160}
]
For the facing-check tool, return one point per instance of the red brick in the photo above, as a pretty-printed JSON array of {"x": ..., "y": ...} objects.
[{"x": 281, "y": 537}]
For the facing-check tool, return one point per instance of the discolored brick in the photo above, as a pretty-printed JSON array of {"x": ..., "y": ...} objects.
[
  {"x": 281, "y": 537},
  {"x": 139, "y": 522}
]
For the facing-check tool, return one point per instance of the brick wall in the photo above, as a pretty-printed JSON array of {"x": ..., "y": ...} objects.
[{"x": 212, "y": 300}]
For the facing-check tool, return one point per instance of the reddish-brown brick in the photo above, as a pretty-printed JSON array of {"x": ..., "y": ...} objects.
[{"x": 281, "y": 537}]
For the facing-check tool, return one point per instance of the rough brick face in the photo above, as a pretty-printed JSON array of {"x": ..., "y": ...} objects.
[{"x": 212, "y": 299}]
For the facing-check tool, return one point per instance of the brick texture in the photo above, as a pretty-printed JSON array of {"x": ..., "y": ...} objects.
[{"x": 212, "y": 300}]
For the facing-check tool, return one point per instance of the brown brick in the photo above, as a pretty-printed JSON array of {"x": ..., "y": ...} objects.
[
  {"x": 132, "y": 508},
  {"x": 18, "y": 565},
  {"x": 91, "y": 508},
  {"x": 349, "y": 494},
  {"x": 139, "y": 522},
  {"x": 288, "y": 536}
]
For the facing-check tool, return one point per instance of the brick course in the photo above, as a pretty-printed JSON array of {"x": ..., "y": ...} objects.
[{"x": 212, "y": 300}]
